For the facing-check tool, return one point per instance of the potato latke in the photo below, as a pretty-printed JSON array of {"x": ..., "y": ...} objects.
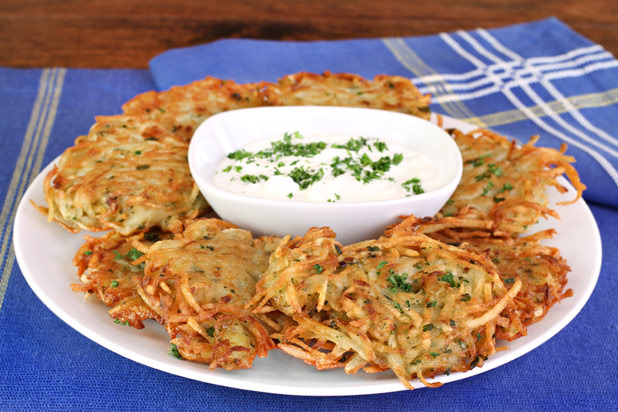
[
  {"x": 406, "y": 303},
  {"x": 502, "y": 191},
  {"x": 106, "y": 270},
  {"x": 199, "y": 284},
  {"x": 418, "y": 305},
  {"x": 119, "y": 178},
  {"x": 384, "y": 92}
]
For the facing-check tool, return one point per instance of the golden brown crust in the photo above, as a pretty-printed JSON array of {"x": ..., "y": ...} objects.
[
  {"x": 541, "y": 269},
  {"x": 107, "y": 270},
  {"x": 155, "y": 188},
  {"x": 181, "y": 109},
  {"x": 503, "y": 187},
  {"x": 117, "y": 178},
  {"x": 199, "y": 284},
  {"x": 406, "y": 303},
  {"x": 343, "y": 89}
]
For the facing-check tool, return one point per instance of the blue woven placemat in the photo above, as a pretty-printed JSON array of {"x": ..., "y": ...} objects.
[{"x": 539, "y": 78}]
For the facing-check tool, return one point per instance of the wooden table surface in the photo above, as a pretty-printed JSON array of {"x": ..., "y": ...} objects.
[{"x": 128, "y": 33}]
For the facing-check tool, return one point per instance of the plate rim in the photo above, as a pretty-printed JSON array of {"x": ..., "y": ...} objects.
[{"x": 365, "y": 388}]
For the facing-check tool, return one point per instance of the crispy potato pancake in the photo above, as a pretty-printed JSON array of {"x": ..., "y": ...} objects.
[
  {"x": 543, "y": 273},
  {"x": 110, "y": 180},
  {"x": 181, "y": 109},
  {"x": 503, "y": 187},
  {"x": 344, "y": 89},
  {"x": 106, "y": 270},
  {"x": 541, "y": 269},
  {"x": 430, "y": 297},
  {"x": 116, "y": 178},
  {"x": 407, "y": 303},
  {"x": 199, "y": 284}
]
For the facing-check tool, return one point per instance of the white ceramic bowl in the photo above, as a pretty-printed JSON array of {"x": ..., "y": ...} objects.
[{"x": 353, "y": 221}]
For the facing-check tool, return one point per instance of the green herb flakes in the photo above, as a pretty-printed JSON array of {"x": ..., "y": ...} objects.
[{"x": 174, "y": 352}]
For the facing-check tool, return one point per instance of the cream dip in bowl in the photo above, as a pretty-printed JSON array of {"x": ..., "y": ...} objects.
[{"x": 281, "y": 170}]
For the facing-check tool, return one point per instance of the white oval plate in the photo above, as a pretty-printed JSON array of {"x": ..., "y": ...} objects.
[{"x": 45, "y": 252}]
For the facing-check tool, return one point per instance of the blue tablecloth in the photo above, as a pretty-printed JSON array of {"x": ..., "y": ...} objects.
[{"x": 538, "y": 78}]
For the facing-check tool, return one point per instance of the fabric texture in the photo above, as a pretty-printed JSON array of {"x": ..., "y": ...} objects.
[{"x": 537, "y": 78}]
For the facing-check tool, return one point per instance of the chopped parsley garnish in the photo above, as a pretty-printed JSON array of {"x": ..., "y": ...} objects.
[
  {"x": 318, "y": 269},
  {"x": 496, "y": 170},
  {"x": 211, "y": 331},
  {"x": 505, "y": 187},
  {"x": 306, "y": 177},
  {"x": 353, "y": 145},
  {"x": 465, "y": 297},
  {"x": 238, "y": 155},
  {"x": 253, "y": 178},
  {"x": 380, "y": 146},
  {"x": 287, "y": 157},
  {"x": 487, "y": 188},
  {"x": 427, "y": 327},
  {"x": 413, "y": 185},
  {"x": 134, "y": 254},
  {"x": 143, "y": 167},
  {"x": 88, "y": 252},
  {"x": 448, "y": 278},
  {"x": 174, "y": 352},
  {"x": 398, "y": 282},
  {"x": 125, "y": 323},
  {"x": 479, "y": 161},
  {"x": 509, "y": 280},
  {"x": 114, "y": 284},
  {"x": 492, "y": 168},
  {"x": 398, "y": 306},
  {"x": 381, "y": 264}
]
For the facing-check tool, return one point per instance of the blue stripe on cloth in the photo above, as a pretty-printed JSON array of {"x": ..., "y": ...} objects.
[
  {"x": 45, "y": 365},
  {"x": 515, "y": 71}
]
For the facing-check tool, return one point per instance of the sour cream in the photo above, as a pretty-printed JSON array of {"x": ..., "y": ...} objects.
[{"x": 329, "y": 168}]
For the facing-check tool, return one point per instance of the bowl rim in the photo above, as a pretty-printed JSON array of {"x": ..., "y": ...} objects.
[{"x": 205, "y": 185}]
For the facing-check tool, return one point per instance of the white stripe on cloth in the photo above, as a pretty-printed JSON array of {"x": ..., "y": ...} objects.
[
  {"x": 555, "y": 63},
  {"x": 552, "y": 90},
  {"x": 536, "y": 98},
  {"x": 494, "y": 89},
  {"x": 28, "y": 165},
  {"x": 504, "y": 71},
  {"x": 607, "y": 166}
]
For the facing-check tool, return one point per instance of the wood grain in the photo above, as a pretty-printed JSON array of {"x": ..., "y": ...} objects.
[{"x": 128, "y": 33}]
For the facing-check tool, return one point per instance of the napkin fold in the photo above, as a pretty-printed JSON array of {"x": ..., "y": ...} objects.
[{"x": 534, "y": 78}]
